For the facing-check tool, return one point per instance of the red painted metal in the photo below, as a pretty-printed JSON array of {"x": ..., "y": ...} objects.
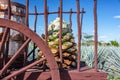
[
  {"x": 31, "y": 51},
  {"x": 27, "y": 24},
  {"x": 3, "y": 61},
  {"x": 23, "y": 69},
  {"x": 39, "y": 42},
  {"x": 82, "y": 16},
  {"x": 35, "y": 22},
  {"x": 46, "y": 20},
  {"x": 79, "y": 34},
  {"x": 56, "y": 12},
  {"x": 26, "y": 13},
  {"x": 85, "y": 74},
  {"x": 14, "y": 57},
  {"x": 54, "y": 73},
  {"x": 3, "y": 39},
  {"x": 95, "y": 36},
  {"x": 70, "y": 18},
  {"x": 5, "y": 54},
  {"x": 9, "y": 9},
  {"x": 60, "y": 35}
]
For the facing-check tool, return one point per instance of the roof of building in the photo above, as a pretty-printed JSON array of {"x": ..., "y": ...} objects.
[{"x": 18, "y": 4}]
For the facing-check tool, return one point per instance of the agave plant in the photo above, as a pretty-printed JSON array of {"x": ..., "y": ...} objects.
[
  {"x": 68, "y": 44},
  {"x": 108, "y": 58}
]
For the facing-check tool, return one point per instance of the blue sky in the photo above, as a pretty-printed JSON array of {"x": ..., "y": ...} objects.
[{"x": 108, "y": 16}]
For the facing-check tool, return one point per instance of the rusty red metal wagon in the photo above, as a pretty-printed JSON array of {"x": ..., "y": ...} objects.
[{"x": 27, "y": 72}]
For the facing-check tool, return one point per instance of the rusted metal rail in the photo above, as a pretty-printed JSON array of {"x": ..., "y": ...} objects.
[
  {"x": 53, "y": 73},
  {"x": 95, "y": 37}
]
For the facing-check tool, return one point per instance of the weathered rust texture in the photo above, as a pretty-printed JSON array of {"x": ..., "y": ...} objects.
[
  {"x": 54, "y": 73},
  {"x": 26, "y": 14},
  {"x": 5, "y": 54},
  {"x": 70, "y": 18},
  {"x": 85, "y": 74},
  {"x": 95, "y": 36},
  {"x": 82, "y": 16},
  {"x": 3, "y": 38},
  {"x": 60, "y": 35},
  {"x": 23, "y": 69},
  {"x": 46, "y": 20},
  {"x": 27, "y": 24},
  {"x": 14, "y": 57},
  {"x": 35, "y": 22},
  {"x": 79, "y": 34},
  {"x": 56, "y": 12},
  {"x": 39, "y": 42}
]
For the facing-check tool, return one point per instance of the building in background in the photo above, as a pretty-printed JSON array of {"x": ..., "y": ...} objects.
[{"x": 18, "y": 15}]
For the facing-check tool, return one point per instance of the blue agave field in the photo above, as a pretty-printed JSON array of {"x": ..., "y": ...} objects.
[{"x": 108, "y": 59}]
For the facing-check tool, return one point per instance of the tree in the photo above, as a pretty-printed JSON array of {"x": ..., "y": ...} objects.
[
  {"x": 114, "y": 43},
  {"x": 87, "y": 39}
]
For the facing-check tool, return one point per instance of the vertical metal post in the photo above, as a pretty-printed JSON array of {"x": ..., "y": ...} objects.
[
  {"x": 7, "y": 42},
  {"x": 27, "y": 24},
  {"x": 79, "y": 34},
  {"x": 82, "y": 16},
  {"x": 95, "y": 36},
  {"x": 46, "y": 27},
  {"x": 70, "y": 18},
  {"x": 35, "y": 22},
  {"x": 60, "y": 35},
  {"x": 46, "y": 19},
  {"x": 26, "y": 14},
  {"x": 9, "y": 9},
  {"x": 58, "y": 11}
]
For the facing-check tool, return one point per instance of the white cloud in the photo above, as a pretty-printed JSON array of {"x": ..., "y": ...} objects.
[{"x": 117, "y": 17}]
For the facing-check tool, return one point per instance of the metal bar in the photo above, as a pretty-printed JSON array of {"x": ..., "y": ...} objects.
[
  {"x": 3, "y": 38},
  {"x": 70, "y": 18},
  {"x": 23, "y": 69},
  {"x": 27, "y": 13},
  {"x": 64, "y": 12},
  {"x": 31, "y": 51},
  {"x": 46, "y": 27},
  {"x": 27, "y": 24},
  {"x": 57, "y": 12},
  {"x": 2, "y": 43},
  {"x": 9, "y": 9},
  {"x": 5, "y": 54},
  {"x": 82, "y": 17},
  {"x": 34, "y": 52},
  {"x": 60, "y": 35},
  {"x": 35, "y": 22},
  {"x": 79, "y": 34},
  {"x": 95, "y": 36},
  {"x": 14, "y": 56},
  {"x": 46, "y": 19}
]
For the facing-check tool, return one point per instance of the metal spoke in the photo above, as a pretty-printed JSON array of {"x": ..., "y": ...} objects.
[
  {"x": 4, "y": 38},
  {"x": 14, "y": 56},
  {"x": 24, "y": 69}
]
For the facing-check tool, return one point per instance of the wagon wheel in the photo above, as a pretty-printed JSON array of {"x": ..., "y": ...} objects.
[{"x": 31, "y": 36}]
